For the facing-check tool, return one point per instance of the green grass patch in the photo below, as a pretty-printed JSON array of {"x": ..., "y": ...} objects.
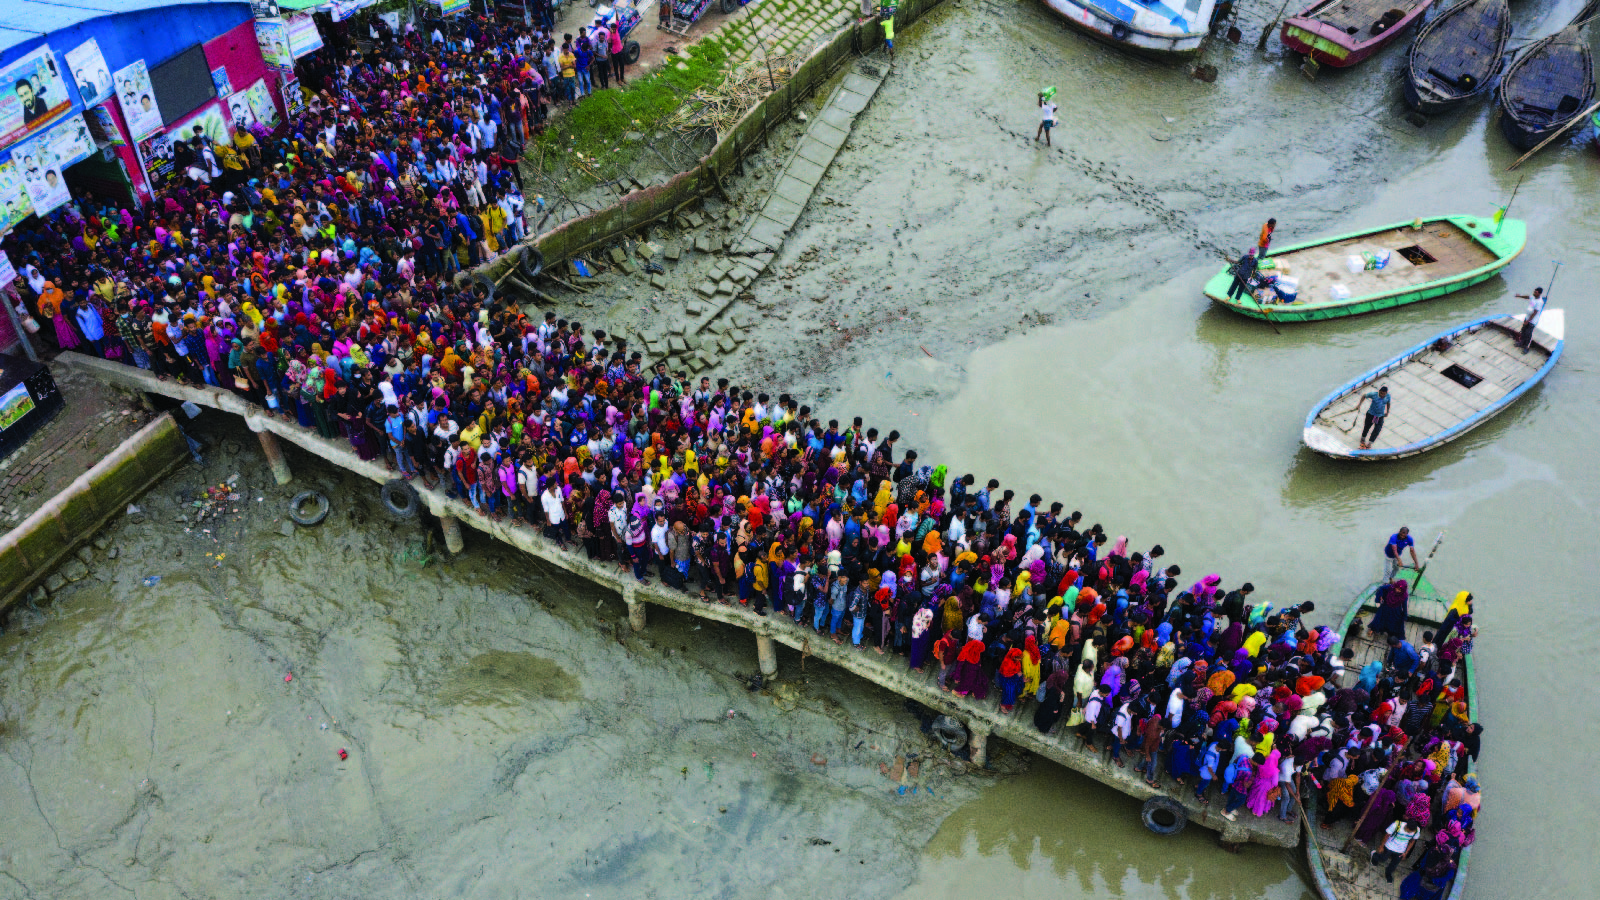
[{"x": 597, "y": 123}]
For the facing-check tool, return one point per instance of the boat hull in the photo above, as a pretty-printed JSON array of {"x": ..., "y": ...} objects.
[
  {"x": 1329, "y": 46},
  {"x": 1523, "y": 137},
  {"x": 1137, "y": 29},
  {"x": 1422, "y": 87},
  {"x": 1319, "y": 441},
  {"x": 1326, "y": 889},
  {"x": 1506, "y": 246}
]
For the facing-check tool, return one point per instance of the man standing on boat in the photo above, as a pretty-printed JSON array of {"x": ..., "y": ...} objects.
[
  {"x": 1265, "y": 240},
  {"x": 1243, "y": 271},
  {"x": 1377, "y": 411},
  {"x": 1530, "y": 320},
  {"x": 1399, "y": 543}
]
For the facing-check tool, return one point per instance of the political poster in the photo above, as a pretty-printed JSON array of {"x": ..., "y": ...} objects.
[
  {"x": 451, "y": 7},
  {"x": 33, "y": 94},
  {"x": 303, "y": 35},
  {"x": 90, "y": 71},
  {"x": 211, "y": 120},
  {"x": 155, "y": 152},
  {"x": 252, "y": 106},
  {"x": 14, "y": 203},
  {"x": 103, "y": 126},
  {"x": 8, "y": 273},
  {"x": 138, "y": 100},
  {"x": 264, "y": 9},
  {"x": 219, "y": 78},
  {"x": 273, "y": 36},
  {"x": 294, "y": 100},
  {"x": 43, "y": 160}
]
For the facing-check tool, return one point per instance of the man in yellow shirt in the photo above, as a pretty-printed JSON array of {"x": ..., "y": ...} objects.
[{"x": 569, "y": 72}]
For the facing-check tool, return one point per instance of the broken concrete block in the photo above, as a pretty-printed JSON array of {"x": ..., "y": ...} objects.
[
  {"x": 703, "y": 244},
  {"x": 676, "y": 344},
  {"x": 694, "y": 308},
  {"x": 719, "y": 269},
  {"x": 677, "y": 328},
  {"x": 726, "y": 344},
  {"x": 706, "y": 289},
  {"x": 694, "y": 219},
  {"x": 649, "y": 249},
  {"x": 655, "y": 348},
  {"x": 726, "y": 286},
  {"x": 658, "y": 281},
  {"x": 618, "y": 255},
  {"x": 672, "y": 253},
  {"x": 743, "y": 275},
  {"x": 735, "y": 335},
  {"x": 695, "y": 364},
  {"x": 627, "y": 266}
]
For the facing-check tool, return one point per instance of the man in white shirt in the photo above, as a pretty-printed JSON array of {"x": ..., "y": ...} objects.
[
  {"x": 528, "y": 489},
  {"x": 555, "y": 513},
  {"x": 1530, "y": 319},
  {"x": 1047, "y": 119}
]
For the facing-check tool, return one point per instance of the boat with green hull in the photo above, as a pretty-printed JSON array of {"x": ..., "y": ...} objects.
[
  {"x": 1374, "y": 270},
  {"x": 1338, "y": 873}
]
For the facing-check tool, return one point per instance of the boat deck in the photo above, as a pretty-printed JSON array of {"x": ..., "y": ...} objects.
[
  {"x": 1352, "y": 874},
  {"x": 1466, "y": 40},
  {"x": 1451, "y": 250},
  {"x": 1538, "y": 87},
  {"x": 1427, "y": 402},
  {"x": 1356, "y": 17}
]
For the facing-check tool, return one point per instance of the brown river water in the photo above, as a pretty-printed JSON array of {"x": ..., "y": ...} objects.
[{"x": 1028, "y": 314}]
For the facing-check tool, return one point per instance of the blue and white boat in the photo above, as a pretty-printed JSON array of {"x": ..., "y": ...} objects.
[
  {"x": 1440, "y": 389},
  {"x": 1159, "y": 27}
]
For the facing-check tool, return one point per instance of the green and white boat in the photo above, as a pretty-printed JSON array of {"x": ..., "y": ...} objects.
[{"x": 1374, "y": 270}]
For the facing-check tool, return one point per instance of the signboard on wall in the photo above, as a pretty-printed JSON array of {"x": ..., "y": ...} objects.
[
  {"x": 138, "y": 100},
  {"x": 90, "y": 71},
  {"x": 303, "y": 35},
  {"x": 14, "y": 203},
  {"x": 33, "y": 93},
  {"x": 43, "y": 160}
]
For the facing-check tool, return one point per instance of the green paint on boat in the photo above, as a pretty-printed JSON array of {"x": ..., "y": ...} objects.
[{"x": 1504, "y": 242}]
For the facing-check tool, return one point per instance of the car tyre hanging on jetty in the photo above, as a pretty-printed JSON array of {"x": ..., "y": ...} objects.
[
  {"x": 318, "y": 510},
  {"x": 399, "y": 498},
  {"x": 1163, "y": 816}
]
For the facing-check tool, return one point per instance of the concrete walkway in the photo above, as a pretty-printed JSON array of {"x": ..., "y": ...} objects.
[
  {"x": 983, "y": 718},
  {"x": 824, "y": 136}
]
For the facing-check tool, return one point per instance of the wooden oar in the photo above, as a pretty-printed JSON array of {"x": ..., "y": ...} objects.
[
  {"x": 1424, "y": 567},
  {"x": 1559, "y": 132}
]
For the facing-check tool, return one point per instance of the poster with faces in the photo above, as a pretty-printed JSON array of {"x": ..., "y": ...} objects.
[
  {"x": 43, "y": 160},
  {"x": 89, "y": 70},
  {"x": 138, "y": 100}
]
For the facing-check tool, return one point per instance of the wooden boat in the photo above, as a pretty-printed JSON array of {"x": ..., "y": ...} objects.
[
  {"x": 1336, "y": 874},
  {"x": 1547, "y": 84},
  {"x": 1441, "y": 389},
  {"x": 1342, "y": 33},
  {"x": 1456, "y": 56},
  {"x": 1427, "y": 258},
  {"x": 1156, "y": 27}
]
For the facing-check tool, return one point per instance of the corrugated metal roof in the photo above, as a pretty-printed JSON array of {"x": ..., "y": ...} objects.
[{"x": 23, "y": 20}]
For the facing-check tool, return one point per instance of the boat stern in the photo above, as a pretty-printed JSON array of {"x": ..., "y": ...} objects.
[
  {"x": 1326, "y": 444},
  {"x": 1316, "y": 40}
]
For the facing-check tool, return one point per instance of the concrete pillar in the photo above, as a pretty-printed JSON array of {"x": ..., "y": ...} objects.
[
  {"x": 767, "y": 655},
  {"x": 979, "y": 743},
  {"x": 275, "y": 457},
  {"x": 636, "y": 611},
  {"x": 451, "y": 526}
]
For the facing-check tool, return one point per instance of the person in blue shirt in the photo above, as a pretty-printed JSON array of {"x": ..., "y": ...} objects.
[
  {"x": 1377, "y": 410},
  {"x": 1402, "y": 655},
  {"x": 1399, "y": 543}
]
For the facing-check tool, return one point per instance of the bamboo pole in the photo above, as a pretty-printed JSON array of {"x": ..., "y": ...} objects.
[
  {"x": 1271, "y": 27},
  {"x": 1368, "y": 810}
]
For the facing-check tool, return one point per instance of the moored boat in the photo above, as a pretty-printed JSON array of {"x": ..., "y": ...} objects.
[
  {"x": 1456, "y": 56},
  {"x": 1341, "y": 33},
  {"x": 1340, "y": 875},
  {"x": 1337, "y": 276},
  {"x": 1440, "y": 389},
  {"x": 1549, "y": 83},
  {"x": 1158, "y": 27}
]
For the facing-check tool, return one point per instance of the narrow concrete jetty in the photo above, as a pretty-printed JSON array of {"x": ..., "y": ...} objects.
[{"x": 983, "y": 719}]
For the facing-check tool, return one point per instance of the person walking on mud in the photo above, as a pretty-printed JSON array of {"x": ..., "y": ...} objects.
[{"x": 1047, "y": 117}]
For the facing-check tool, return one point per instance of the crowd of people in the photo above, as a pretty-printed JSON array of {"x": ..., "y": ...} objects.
[
  {"x": 314, "y": 281},
  {"x": 401, "y": 171}
]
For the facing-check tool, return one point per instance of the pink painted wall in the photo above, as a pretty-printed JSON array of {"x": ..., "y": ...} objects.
[{"x": 238, "y": 51}]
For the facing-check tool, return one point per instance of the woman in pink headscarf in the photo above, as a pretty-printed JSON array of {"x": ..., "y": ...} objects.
[{"x": 1261, "y": 787}]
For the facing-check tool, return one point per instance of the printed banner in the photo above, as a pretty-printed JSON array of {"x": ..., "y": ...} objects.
[
  {"x": 219, "y": 77},
  {"x": 14, "y": 203},
  {"x": 103, "y": 125},
  {"x": 155, "y": 152},
  {"x": 90, "y": 71},
  {"x": 264, "y": 9},
  {"x": 252, "y": 106},
  {"x": 303, "y": 35},
  {"x": 138, "y": 100},
  {"x": 294, "y": 100},
  {"x": 451, "y": 7},
  {"x": 273, "y": 36},
  {"x": 14, "y": 404},
  {"x": 33, "y": 94},
  {"x": 7, "y": 273},
  {"x": 44, "y": 158}
]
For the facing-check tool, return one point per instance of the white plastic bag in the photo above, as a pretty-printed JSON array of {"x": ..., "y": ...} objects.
[{"x": 1355, "y": 262}]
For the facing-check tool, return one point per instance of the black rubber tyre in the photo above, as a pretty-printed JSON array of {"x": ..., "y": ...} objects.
[
  {"x": 950, "y": 733},
  {"x": 1164, "y": 816},
  {"x": 399, "y": 498},
  {"x": 318, "y": 510},
  {"x": 531, "y": 263},
  {"x": 1119, "y": 31},
  {"x": 729, "y": 7},
  {"x": 630, "y": 52},
  {"x": 483, "y": 282}
]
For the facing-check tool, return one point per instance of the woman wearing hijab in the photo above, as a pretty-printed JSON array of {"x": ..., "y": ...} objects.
[
  {"x": 1011, "y": 680},
  {"x": 1056, "y": 699},
  {"x": 1393, "y": 606},
  {"x": 921, "y": 636},
  {"x": 968, "y": 676}
]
